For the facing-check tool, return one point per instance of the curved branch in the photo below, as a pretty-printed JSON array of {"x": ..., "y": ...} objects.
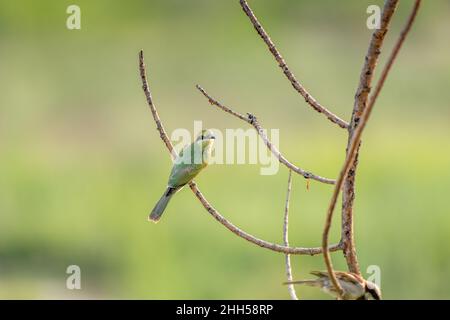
[
  {"x": 291, "y": 288},
  {"x": 349, "y": 183},
  {"x": 148, "y": 96},
  {"x": 362, "y": 112},
  {"x": 287, "y": 72},
  {"x": 361, "y": 96},
  {"x": 199, "y": 195},
  {"x": 251, "y": 119},
  {"x": 259, "y": 242}
]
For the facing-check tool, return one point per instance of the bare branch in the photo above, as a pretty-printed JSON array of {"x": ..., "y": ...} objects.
[
  {"x": 394, "y": 53},
  {"x": 348, "y": 190},
  {"x": 361, "y": 97},
  {"x": 251, "y": 119},
  {"x": 360, "y": 118},
  {"x": 361, "y": 113},
  {"x": 204, "y": 202},
  {"x": 370, "y": 63},
  {"x": 291, "y": 288},
  {"x": 287, "y": 72},
  {"x": 148, "y": 95},
  {"x": 259, "y": 242}
]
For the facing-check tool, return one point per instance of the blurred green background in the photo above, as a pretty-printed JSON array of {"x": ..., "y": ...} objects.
[{"x": 82, "y": 165}]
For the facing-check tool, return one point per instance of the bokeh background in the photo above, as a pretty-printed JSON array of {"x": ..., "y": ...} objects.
[{"x": 81, "y": 164}]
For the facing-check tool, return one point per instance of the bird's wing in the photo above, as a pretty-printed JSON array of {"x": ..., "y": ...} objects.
[
  {"x": 340, "y": 275},
  {"x": 320, "y": 274},
  {"x": 185, "y": 168},
  {"x": 182, "y": 174}
]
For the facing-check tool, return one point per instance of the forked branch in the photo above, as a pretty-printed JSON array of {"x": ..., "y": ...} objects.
[
  {"x": 230, "y": 226},
  {"x": 362, "y": 111}
]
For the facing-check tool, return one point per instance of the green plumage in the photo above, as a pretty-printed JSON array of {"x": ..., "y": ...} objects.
[{"x": 191, "y": 160}]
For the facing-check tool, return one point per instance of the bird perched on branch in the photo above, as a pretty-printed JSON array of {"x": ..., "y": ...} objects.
[
  {"x": 191, "y": 160},
  {"x": 354, "y": 286}
]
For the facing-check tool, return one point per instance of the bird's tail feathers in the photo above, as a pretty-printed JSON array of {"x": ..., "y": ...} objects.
[{"x": 161, "y": 205}]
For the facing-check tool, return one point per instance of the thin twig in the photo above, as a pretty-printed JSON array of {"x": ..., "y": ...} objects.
[
  {"x": 287, "y": 72},
  {"x": 205, "y": 203},
  {"x": 361, "y": 118},
  {"x": 251, "y": 119},
  {"x": 291, "y": 288}
]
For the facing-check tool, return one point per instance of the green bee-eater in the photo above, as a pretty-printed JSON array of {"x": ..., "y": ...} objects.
[{"x": 191, "y": 160}]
